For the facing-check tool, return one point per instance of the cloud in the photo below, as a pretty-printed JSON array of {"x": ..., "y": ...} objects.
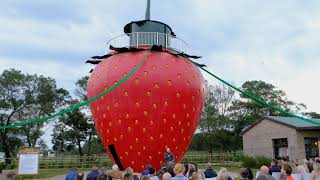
[
  {"x": 250, "y": 40},
  {"x": 64, "y": 74}
]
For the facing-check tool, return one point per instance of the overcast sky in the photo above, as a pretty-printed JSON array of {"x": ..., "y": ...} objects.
[{"x": 274, "y": 41}]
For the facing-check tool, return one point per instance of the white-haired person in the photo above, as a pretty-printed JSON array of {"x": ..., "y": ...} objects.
[
  {"x": 315, "y": 175},
  {"x": 302, "y": 168},
  {"x": 223, "y": 175}
]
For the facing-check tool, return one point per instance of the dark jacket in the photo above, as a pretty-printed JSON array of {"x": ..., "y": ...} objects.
[
  {"x": 274, "y": 168},
  {"x": 71, "y": 175},
  {"x": 92, "y": 175},
  {"x": 168, "y": 156},
  {"x": 209, "y": 173}
]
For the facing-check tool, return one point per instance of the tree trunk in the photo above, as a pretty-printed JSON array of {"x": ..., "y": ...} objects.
[
  {"x": 6, "y": 149},
  {"x": 80, "y": 151},
  {"x": 89, "y": 141},
  {"x": 80, "y": 148},
  {"x": 29, "y": 141}
]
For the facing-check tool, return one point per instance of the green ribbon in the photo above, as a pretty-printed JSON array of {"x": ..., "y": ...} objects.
[
  {"x": 76, "y": 106},
  {"x": 258, "y": 100}
]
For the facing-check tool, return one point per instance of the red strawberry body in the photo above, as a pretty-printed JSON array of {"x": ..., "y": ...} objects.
[{"x": 158, "y": 107}]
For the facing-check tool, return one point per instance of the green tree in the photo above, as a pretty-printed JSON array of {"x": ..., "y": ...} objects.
[
  {"x": 215, "y": 121},
  {"x": 71, "y": 131},
  {"x": 268, "y": 93},
  {"x": 81, "y": 93},
  {"x": 78, "y": 125},
  {"x": 314, "y": 115},
  {"x": 24, "y": 97},
  {"x": 95, "y": 146}
]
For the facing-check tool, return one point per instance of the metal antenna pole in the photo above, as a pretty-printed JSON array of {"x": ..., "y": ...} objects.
[{"x": 147, "y": 17}]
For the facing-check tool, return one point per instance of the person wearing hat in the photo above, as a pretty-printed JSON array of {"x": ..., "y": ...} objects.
[{"x": 115, "y": 173}]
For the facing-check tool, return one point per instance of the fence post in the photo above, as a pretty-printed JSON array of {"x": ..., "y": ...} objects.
[
  {"x": 157, "y": 38},
  {"x": 137, "y": 40}
]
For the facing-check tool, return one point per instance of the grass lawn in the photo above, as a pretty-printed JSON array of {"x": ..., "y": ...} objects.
[{"x": 47, "y": 173}]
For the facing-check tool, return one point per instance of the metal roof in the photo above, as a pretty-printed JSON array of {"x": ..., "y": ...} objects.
[{"x": 292, "y": 121}]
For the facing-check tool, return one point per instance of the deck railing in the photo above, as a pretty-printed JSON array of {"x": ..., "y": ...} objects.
[{"x": 140, "y": 39}]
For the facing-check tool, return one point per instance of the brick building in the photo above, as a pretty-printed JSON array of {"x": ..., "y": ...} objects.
[{"x": 275, "y": 136}]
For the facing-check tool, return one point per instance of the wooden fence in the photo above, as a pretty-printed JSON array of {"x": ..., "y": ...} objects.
[{"x": 218, "y": 159}]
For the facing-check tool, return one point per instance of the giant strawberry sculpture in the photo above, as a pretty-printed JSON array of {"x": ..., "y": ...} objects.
[{"x": 158, "y": 107}]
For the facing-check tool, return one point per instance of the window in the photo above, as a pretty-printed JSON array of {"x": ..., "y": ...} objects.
[
  {"x": 311, "y": 146},
  {"x": 280, "y": 147}
]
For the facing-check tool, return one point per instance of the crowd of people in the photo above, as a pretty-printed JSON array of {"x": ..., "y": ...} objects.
[
  {"x": 284, "y": 169},
  {"x": 189, "y": 171},
  {"x": 178, "y": 171}
]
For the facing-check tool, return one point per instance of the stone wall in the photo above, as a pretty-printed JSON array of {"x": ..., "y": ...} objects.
[{"x": 258, "y": 139}]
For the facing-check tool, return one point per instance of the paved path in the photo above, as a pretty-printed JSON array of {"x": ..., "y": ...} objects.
[{"x": 62, "y": 177}]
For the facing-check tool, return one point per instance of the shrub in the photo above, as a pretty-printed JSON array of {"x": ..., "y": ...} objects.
[
  {"x": 249, "y": 162},
  {"x": 255, "y": 162},
  {"x": 2, "y": 166},
  {"x": 263, "y": 161}
]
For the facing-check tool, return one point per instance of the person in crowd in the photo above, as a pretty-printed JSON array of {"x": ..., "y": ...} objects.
[
  {"x": 223, "y": 175},
  {"x": 293, "y": 167},
  {"x": 171, "y": 171},
  {"x": 274, "y": 167},
  {"x": 93, "y": 175},
  {"x": 281, "y": 163},
  {"x": 286, "y": 171},
  {"x": 264, "y": 171},
  {"x": 310, "y": 166},
  {"x": 103, "y": 170},
  {"x": 315, "y": 175},
  {"x": 250, "y": 176},
  {"x": 186, "y": 168},
  {"x": 302, "y": 168},
  {"x": 178, "y": 171},
  {"x": 144, "y": 177},
  {"x": 160, "y": 174},
  {"x": 152, "y": 174},
  {"x": 192, "y": 169},
  {"x": 80, "y": 176},
  {"x": 114, "y": 173},
  {"x": 197, "y": 176},
  {"x": 164, "y": 169},
  {"x": 2, "y": 176},
  {"x": 72, "y": 175},
  {"x": 103, "y": 176},
  {"x": 146, "y": 171},
  {"x": 195, "y": 166},
  {"x": 169, "y": 156},
  {"x": 11, "y": 175},
  {"x": 128, "y": 174},
  {"x": 317, "y": 160},
  {"x": 244, "y": 173},
  {"x": 311, "y": 160},
  {"x": 209, "y": 172},
  {"x": 262, "y": 177},
  {"x": 166, "y": 176}
]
